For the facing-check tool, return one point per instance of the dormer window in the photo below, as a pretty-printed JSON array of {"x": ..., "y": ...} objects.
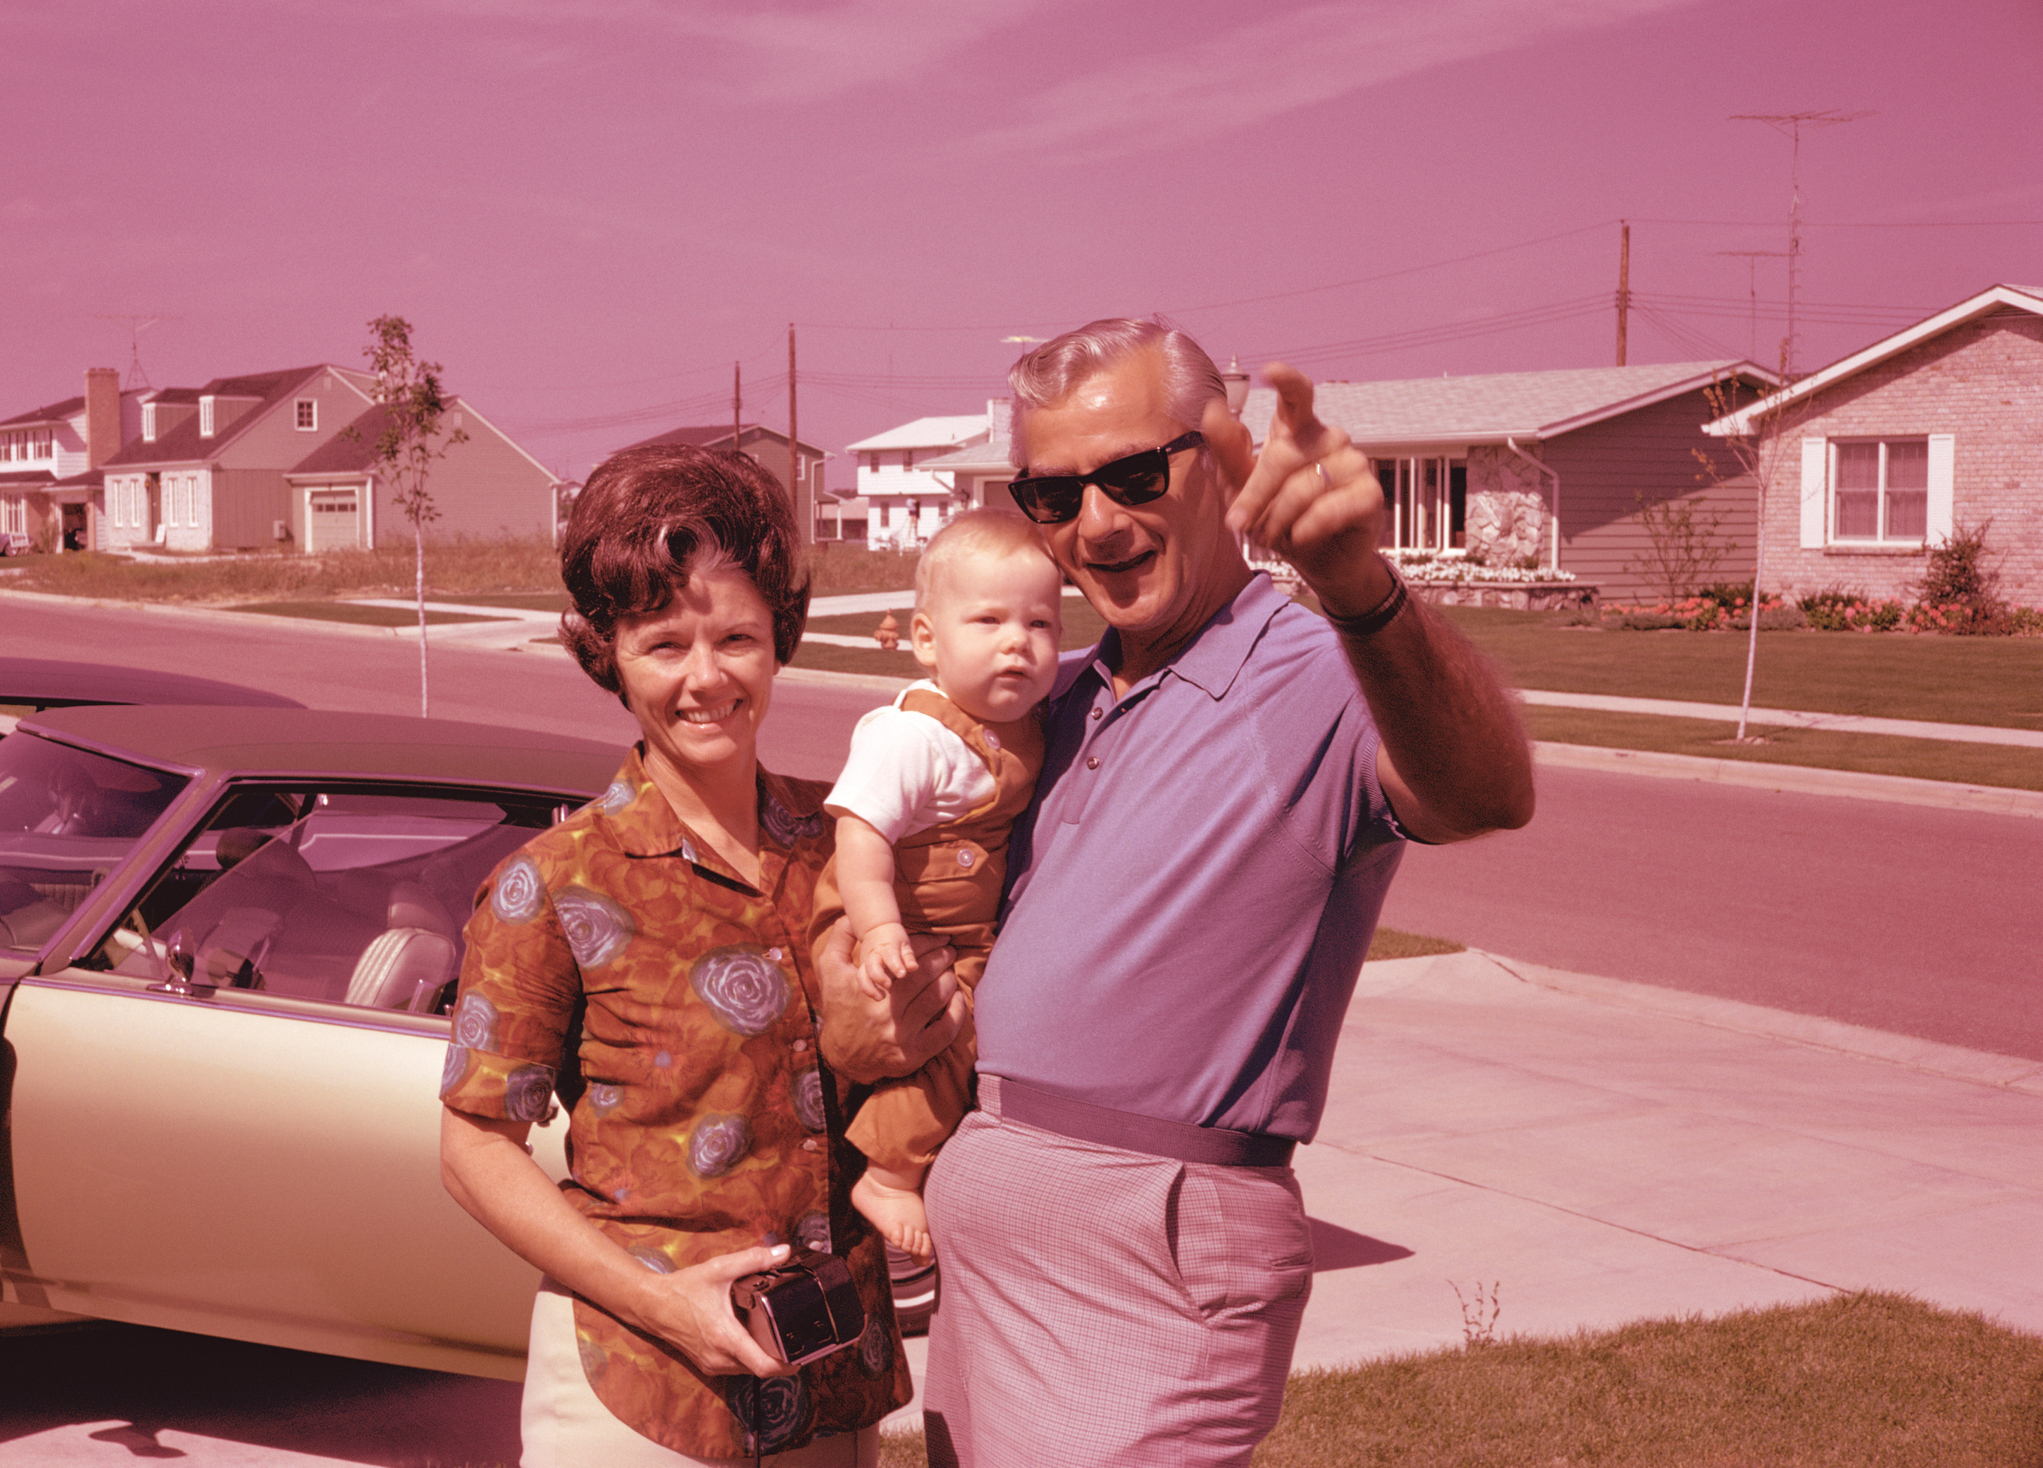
[
  {"x": 307, "y": 410},
  {"x": 148, "y": 423},
  {"x": 206, "y": 416}
]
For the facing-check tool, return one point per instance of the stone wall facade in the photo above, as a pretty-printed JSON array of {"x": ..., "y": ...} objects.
[
  {"x": 1982, "y": 383},
  {"x": 1508, "y": 517}
]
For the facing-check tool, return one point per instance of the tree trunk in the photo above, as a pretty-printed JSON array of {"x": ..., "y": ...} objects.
[{"x": 417, "y": 540}]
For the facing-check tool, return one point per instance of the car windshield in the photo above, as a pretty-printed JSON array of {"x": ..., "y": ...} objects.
[{"x": 67, "y": 818}]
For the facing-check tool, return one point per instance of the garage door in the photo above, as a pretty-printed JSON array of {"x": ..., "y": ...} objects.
[{"x": 334, "y": 521}]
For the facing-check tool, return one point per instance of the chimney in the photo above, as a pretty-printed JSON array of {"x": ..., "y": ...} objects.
[{"x": 102, "y": 415}]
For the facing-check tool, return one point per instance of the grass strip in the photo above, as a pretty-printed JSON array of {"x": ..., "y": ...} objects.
[
  {"x": 1870, "y": 754},
  {"x": 1859, "y": 1379},
  {"x": 1391, "y": 943},
  {"x": 1082, "y": 625},
  {"x": 524, "y": 601},
  {"x": 1953, "y": 680},
  {"x": 353, "y": 612}
]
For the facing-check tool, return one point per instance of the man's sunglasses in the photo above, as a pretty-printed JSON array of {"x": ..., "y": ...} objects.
[{"x": 1051, "y": 499}]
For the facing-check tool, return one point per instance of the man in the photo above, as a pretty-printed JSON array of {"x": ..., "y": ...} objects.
[{"x": 1228, "y": 786}]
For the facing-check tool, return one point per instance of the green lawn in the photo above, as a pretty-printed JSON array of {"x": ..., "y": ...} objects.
[
  {"x": 1857, "y": 1380},
  {"x": 1871, "y": 754},
  {"x": 353, "y": 612},
  {"x": 1952, "y": 680}
]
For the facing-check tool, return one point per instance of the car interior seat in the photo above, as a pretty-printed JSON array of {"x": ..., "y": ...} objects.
[{"x": 411, "y": 961}]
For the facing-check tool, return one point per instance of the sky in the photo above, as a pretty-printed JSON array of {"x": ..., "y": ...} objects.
[{"x": 589, "y": 210}]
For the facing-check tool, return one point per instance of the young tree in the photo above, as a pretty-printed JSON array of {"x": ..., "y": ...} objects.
[
  {"x": 409, "y": 443},
  {"x": 1758, "y": 453}
]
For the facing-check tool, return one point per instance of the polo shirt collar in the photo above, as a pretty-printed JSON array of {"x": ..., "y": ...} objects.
[
  {"x": 1214, "y": 657},
  {"x": 643, "y": 824}
]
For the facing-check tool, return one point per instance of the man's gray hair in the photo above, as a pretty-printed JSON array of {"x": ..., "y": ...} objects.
[{"x": 1052, "y": 372}]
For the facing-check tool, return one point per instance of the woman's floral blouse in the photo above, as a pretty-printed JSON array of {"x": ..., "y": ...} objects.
[{"x": 617, "y": 961}]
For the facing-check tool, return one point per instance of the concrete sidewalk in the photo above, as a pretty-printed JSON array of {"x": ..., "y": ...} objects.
[
  {"x": 1596, "y": 1151},
  {"x": 1600, "y": 1152}
]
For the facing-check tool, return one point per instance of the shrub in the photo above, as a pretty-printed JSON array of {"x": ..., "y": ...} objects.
[
  {"x": 1729, "y": 595},
  {"x": 1682, "y": 546},
  {"x": 1958, "y": 571}
]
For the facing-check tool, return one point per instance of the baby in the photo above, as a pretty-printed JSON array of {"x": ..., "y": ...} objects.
[{"x": 924, "y": 805}]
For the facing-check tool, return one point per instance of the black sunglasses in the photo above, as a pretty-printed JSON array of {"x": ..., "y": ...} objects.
[{"x": 1051, "y": 499}]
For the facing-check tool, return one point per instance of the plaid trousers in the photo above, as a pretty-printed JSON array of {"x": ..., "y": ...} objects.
[{"x": 1106, "y": 1307}]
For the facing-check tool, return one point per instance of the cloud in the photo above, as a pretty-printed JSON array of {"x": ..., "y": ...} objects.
[{"x": 1252, "y": 73}]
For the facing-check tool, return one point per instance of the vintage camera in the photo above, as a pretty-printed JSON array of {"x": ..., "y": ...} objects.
[{"x": 804, "y": 1309}]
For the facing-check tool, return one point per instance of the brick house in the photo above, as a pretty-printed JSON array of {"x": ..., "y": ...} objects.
[
  {"x": 1546, "y": 468},
  {"x": 1886, "y": 452}
]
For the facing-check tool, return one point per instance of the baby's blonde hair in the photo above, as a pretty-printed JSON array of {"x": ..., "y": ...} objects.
[{"x": 987, "y": 531}]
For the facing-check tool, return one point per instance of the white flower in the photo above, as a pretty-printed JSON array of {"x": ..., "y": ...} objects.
[
  {"x": 519, "y": 891},
  {"x": 597, "y": 929},
  {"x": 743, "y": 988}
]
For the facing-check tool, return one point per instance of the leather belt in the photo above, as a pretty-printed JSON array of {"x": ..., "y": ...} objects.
[{"x": 1131, "y": 1132}]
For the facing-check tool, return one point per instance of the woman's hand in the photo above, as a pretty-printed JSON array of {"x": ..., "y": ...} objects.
[
  {"x": 691, "y": 1309},
  {"x": 868, "y": 1040}
]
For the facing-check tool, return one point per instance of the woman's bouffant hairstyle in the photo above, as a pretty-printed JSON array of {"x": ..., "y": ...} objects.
[{"x": 646, "y": 516}]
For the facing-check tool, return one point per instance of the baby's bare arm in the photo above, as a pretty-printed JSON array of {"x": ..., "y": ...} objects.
[{"x": 865, "y": 875}]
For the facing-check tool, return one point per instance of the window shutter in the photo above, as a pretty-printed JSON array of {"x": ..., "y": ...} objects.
[
  {"x": 1815, "y": 491},
  {"x": 1943, "y": 477}
]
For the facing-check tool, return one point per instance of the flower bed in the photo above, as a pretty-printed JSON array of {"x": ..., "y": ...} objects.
[{"x": 1720, "y": 609}]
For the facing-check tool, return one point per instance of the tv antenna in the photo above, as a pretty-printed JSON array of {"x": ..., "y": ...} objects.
[
  {"x": 136, "y": 326},
  {"x": 1752, "y": 259},
  {"x": 1790, "y": 125}
]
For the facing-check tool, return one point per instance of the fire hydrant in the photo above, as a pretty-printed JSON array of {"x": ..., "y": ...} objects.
[{"x": 888, "y": 633}]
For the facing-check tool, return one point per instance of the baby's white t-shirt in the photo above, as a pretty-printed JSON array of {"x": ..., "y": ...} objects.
[{"x": 908, "y": 772}]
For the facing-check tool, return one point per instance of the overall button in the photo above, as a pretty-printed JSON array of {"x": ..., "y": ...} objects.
[
  {"x": 809, "y": 1145},
  {"x": 800, "y": 1046}
]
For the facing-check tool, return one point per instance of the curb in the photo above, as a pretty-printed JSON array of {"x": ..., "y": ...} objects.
[
  {"x": 1797, "y": 779},
  {"x": 1953, "y": 1062}
]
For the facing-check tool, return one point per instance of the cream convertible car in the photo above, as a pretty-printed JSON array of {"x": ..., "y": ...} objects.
[{"x": 227, "y": 939}]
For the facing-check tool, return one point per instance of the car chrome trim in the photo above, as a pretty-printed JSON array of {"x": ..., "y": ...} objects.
[{"x": 254, "y": 1001}]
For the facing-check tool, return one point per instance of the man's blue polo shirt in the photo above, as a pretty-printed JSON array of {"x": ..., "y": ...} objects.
[{"x": 1194, "y": 888}]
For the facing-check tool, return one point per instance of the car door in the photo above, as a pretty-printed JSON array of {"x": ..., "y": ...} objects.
[{"x": 224, "y": 1107}]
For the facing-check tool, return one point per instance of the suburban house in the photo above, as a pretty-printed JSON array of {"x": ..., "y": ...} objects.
[
  {"x": 49, "y": 463},
  {"x": 979, "y": 473},
  {"x": 908, "y": 498},
  {"x": 1890, "y": 450},
  {"x": 770, "y": 449},
  {"x": 265, "y": 460},
  {"x": 1549, "y": 468},
  {"x": 485, "y": 486}
]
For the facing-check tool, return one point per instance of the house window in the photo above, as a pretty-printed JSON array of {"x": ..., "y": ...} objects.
[
  {"x": 148, "y": 423},
  {"x": 206, "y": 416},
  {"x": 307, "y": 410},
  {"x": 44, "y": 444},
  {"x": 1881, "y": 490},
  {"x": 872, "y": 462},
  {"x": 907, "y": 458}
]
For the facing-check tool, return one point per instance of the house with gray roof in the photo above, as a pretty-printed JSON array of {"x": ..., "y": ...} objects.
[
  {"x": 50, "y": 458},
  {"x": 805, "y": 489},
  {"x": 909, "y": 497},
  {"x": 1549, "y": 468}
]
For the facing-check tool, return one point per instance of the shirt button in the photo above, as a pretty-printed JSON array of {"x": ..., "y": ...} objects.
[
  {"x": 800, "y": 1046},
  {"x": 1095, "y": 711},
  {"x": 809, "y": 1145},
  {"x": 1092, "y": 762}
]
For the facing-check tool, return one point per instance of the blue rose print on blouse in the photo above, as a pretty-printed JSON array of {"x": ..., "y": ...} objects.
[
  {"x": 783, "y": 825},
  {"x": 773, "y": 1410},
  {"x": 605, "y": 1098},
  {"x": 475, "y": 1023},
  {"x": 597, "y": 929},
  {"x": 616, "y": 798},
  {"x": 744, "y": 989},
  {"x": 717, "y": 1143},
  {"x": 519, "y": 893},
  {"x": 813, "y": 1232},
  {"x": 808, "y": 1100},
  {"x": 453, "y": 1068},
  {"x": 651, "y": 1258},
  {"x": 875, "y": 1348},
  {"x": 528, "y": 1092}
]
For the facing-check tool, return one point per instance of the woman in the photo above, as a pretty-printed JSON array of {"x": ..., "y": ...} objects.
[{"x": 647, "y": 960}]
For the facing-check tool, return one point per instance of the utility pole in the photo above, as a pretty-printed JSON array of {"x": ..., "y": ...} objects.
[
  {"x": 794, "y": 459},
  {"x": 1790, "y": 125},
  {"x": 1624, "y": 283},
  {"x": 737, "y": 405},
  {"x": 1752, "y": 259}
]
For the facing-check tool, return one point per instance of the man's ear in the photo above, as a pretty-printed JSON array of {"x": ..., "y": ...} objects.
[
  {"x": 922, "y": 640},
  {"x": 1232, "y": 445}
]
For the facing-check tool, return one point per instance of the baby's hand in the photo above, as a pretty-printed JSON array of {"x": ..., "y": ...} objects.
[{"x": 884, "y": 956}]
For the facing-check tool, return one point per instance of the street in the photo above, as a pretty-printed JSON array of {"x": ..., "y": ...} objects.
[{"x": 1911, "y": 919}]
